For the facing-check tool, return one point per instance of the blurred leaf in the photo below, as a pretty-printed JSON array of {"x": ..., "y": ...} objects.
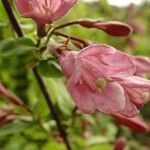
[
  {"x": 15, "y": 142},
  {"x": 3, "y": 15},
  {"x": 31, "y": 146},
  {"x": 52, "y": 145},
  {"x": 89, "y": 119},
  {"x": 40, "y": 107},
  {"x": 13, "y": 47},
  {"x": 14, "y": 128},
  {"x": 49, "y": 68},
  {"x": 102, "y": 147},
  {"x": 79, "y": 142},
  {"x": 97, "y": 140},
  {"x": 111, "y": 131},
  {"x": 60, "y": 95},
  {"x": 37, "y": 133}
]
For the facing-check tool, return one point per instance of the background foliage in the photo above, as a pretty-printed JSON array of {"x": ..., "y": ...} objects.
[{"x": 86, "y": 132}]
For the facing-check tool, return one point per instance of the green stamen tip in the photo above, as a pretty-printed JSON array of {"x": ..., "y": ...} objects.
[{"x": 101, "y": 83}]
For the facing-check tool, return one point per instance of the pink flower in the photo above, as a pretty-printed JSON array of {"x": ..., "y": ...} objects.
[
  {"x": 135, "y": 123},
  {"x": 44, "y": 11},
  {"x": 102, "y": 78}
]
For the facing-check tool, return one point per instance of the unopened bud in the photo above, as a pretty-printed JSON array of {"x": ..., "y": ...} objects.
[
  {"x": 113, "y": 28},
  {"x": 120, "y": 143}
]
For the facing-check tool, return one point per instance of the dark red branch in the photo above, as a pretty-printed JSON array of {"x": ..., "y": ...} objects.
[{"x": 12, "y": 18}]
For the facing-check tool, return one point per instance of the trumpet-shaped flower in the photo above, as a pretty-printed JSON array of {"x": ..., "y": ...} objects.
[
  {"x": 104, "y": 79},
  {"x": 44, "y": 11}
]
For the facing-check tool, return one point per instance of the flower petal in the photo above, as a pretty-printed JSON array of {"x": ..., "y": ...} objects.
[
  {"x": 120, "y": 63},
  {"x": 95, "y": 50},
  {"x": 64, "y": 7},
  {"x": 82, "y": 96},
  {"x": 133, "y": 81},
  {"x": 23, "y": 6},
  {"x": 67, "y": 62},
  {"x": 130, "y": 109},
  {"x": 142, "y": 65},
  {"x": 111, "y": 99}
]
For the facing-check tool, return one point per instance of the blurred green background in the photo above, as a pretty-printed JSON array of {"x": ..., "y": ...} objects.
[{"x": 86, "y": 132}]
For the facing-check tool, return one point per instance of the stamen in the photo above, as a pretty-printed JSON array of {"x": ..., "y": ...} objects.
[
  {"x": 146, "y": 96},
  {"x": 101, "y": 83}
]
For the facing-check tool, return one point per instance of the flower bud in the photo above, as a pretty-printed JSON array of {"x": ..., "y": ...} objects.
[
  {"x": 135, "y": 123},
  {"x": 113, "y": 28}
]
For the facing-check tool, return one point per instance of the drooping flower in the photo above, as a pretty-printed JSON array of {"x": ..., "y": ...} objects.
[
  {"x": 44, "y": 11},
  {"x": 104, "y": 79}
]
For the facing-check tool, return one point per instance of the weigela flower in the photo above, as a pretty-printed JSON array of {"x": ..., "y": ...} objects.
[
  {"x": 104, "y": 79},
  {"x": 44, "y": 11}
]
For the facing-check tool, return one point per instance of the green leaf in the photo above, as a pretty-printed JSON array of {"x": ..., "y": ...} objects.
[
  {"x": 102, "y": 147},
  {"x": 14, "y": 128},
  {"x": 97, "y": 140},
  {"x": 3, "y": 14},
  {"x": 14, "y": 47},
  {"x": 49, "y": 68},
  {"x": 58, "y": 91}
]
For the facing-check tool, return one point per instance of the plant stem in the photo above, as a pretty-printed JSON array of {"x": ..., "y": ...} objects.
[
  {"x": 38, "y": 77},
  {"x": 72, "y": 38},
  {"x": 12, "y": 18},
  {"x": 66, "y": 25}
]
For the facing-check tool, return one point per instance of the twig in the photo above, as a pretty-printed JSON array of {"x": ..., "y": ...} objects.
[
  {"x": 12, "y": 18},
  {"x": 72, "y": 38},
  {"x": 66, "y": 25}
]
